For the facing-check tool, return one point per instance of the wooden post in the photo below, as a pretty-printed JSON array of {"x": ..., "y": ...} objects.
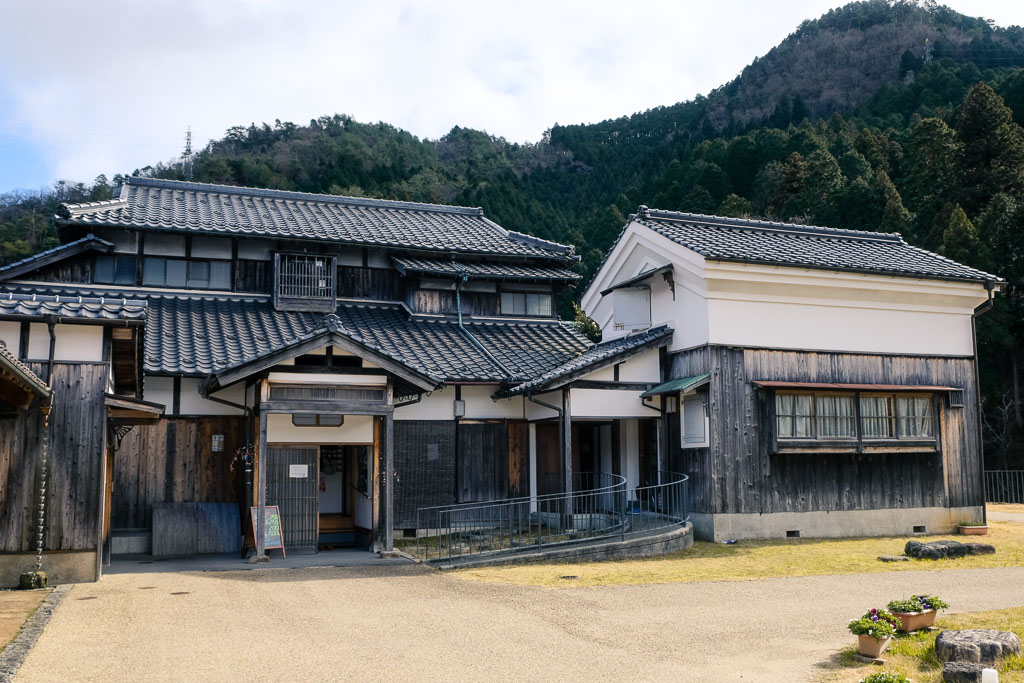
[
  {"x": 566, "y": 441},
  {"x": 662, "y": 444},
  {"x": 261, "y": 485},
  {"x": 389, "y": 477}
]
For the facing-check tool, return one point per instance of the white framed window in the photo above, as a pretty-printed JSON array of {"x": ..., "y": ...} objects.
[{"x": 694, "y": 421}]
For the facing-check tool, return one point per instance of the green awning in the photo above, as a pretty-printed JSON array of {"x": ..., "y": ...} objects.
[{"x": 677, "y": 385}]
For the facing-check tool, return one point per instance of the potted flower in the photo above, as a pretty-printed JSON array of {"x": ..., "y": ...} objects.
[
  {"x": 917, "y": 612},
  {"x": 973, "y": 529},
  {"x": 874, "y": 631}
]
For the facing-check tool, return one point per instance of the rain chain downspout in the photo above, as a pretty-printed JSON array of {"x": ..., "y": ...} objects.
[{"x": 41, "y": 515}]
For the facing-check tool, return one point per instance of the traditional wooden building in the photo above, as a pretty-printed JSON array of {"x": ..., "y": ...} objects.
[
  {"x": 818, "y": 382},
  {"x": 349, "y": 360}
]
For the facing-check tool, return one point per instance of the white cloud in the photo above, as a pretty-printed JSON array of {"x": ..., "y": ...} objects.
[{"x": 108, "y": 87}]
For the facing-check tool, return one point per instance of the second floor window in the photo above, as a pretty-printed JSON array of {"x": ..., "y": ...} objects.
[
  {"x": 115, "y": 269},
  {"x": 525, "y": 303},
  {"x": 304, "y": 282},
  {"x": 193, "y": 274}
]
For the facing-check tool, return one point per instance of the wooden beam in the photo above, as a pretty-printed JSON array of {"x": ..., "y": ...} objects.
[
  {"x": 261, "y": 486},
  {"x": 345, "y": 407},
  {"x": 567, "y": 443},
  {"x": 615, "y": 386},
  {"x": 389, "y": 487}
]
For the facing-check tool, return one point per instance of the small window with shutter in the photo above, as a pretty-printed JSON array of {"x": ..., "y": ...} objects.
[{"x": 694, "y": 421}]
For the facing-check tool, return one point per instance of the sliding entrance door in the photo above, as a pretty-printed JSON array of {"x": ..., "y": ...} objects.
[{"x": 292, "y": 485}]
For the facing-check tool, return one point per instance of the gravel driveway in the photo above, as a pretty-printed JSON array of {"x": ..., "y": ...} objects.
[{"x": 410, "y": 623}]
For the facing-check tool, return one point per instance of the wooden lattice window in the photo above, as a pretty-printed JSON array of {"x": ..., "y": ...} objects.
[{"x": 304, "y": 282}]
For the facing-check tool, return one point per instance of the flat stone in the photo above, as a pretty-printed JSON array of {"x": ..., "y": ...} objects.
[
  {"x": 937, "y": 550},
  {"x": 962, "y": 672},
  {"x": 982, "y": 646},
  {"x": 894, "y": 558}
]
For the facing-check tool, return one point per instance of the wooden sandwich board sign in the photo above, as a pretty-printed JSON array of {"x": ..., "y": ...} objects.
[{"x": 273, "y": 535}]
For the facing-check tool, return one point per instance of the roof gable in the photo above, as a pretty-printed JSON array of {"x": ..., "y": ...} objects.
[
  {"x": 88, "y": 243},
  {"x": 171, "y": 205},
  {"x": 804, "y": 246}
]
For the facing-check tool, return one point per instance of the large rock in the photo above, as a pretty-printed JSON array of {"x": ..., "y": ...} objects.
[
  {"x": 962, "y": 672},
  {"x": 981, "y": 646},
  {"x": 937, "y": 550}
]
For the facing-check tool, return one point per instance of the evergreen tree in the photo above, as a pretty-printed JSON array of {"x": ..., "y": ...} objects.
[
  {"x": 735, "y": 206},
  {"x": 895, "y": 217},
  {"x": 992, "y": 156},
  {"x": 960, "y": 240}
]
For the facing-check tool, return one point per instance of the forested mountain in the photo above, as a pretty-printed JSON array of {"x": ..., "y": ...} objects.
[{"x": 892, "y": 116}]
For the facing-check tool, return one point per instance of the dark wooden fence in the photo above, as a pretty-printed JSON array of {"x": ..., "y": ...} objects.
[
  {"x": 76, "y": 450},
  {"x": 1004, "y": 486},
  {"x": 173, "y": 462}
]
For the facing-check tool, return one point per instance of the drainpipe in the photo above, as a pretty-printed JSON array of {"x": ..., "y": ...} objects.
[
  {"x": 50, "y": 324},
  {"x": 990, "y": 287}
]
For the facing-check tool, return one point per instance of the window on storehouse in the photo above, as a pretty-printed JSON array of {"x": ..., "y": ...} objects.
[
  {"x": 864, "y": 416},
  {"x": 114, "y": 269}
]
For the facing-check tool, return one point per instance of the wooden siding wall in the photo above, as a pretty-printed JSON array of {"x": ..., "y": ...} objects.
[
  {"x": 693, "y": 462},
  {"x": 172, "y": 461},
  {"x": 491, "y": 463},
  {"x": 437, "y": 301},
  {"x": 76, "y": 270},
  {"x": 424, "y": 457},
  {"x": 738, "y": 475},
  {"x": 368, "y": 283},
  {"x": 253, "y": 276},
  {"x": 77, "y": 424}
]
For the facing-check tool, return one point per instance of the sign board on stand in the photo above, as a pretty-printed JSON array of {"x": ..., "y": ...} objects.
[{"x": 273, "y": 534}]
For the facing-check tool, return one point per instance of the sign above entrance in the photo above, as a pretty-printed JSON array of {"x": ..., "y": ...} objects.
[{"x": 298, "y": 471}]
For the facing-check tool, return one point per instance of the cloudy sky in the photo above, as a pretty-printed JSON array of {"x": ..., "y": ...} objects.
[{"x": 107, "y": 87}]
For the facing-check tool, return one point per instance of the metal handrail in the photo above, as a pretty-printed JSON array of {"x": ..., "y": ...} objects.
[
  {"x": 1004, "y": 486},
  {"x": 607, "y": 508}
]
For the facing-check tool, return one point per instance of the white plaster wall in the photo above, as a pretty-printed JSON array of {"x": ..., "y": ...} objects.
[
  {"x": 438, "y": 405},
  {"x": 642, "y": 249},
  {"x": 350, "y": 257},
  {"x": 159, "y": 390},
  {"x": 211, "y": 247},
  {"x": 125, "y": 241},
  {"x": 643, "y": 368},
  {"x": 358, "y": 429},
  {"x": 536, "y": 412},
  {"x": 480, "y": 406},
  {"x": 801, "y": 309},
  {"x": 606, "y": 374},
  {"x": 194, "y": 404},
  {"x": 73, "y": 343},
  {"x": 10, "y": 335},
  {"x": 160, "y": 244},
  {"x": 378, "y": 258},
  {"x": 256, "y": 250},
  {"x": 608, "y": 403}
]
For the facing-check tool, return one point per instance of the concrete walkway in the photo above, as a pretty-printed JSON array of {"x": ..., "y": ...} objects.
[{"x": 407, "y": 622}]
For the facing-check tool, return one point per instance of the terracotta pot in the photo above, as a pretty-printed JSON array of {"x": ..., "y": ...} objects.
[
  {"x": 871, "y": 646},
  {"x": 915, "y": 621},
  {"x": 973, "y": 530}
]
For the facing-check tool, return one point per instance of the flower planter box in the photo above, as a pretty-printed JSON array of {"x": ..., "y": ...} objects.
[
  {"x": 973, "y": 530},
  {"x": 915, "y": 621},
  {"x": 872, "y": 647}
]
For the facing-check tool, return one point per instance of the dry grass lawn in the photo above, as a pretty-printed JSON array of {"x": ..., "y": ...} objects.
[
  {"x": 748, "y": 560},
  {"x": 1012, "y": 508},
  {"x": 913, "y": 654},
  {"x": 15, "y": 608}
]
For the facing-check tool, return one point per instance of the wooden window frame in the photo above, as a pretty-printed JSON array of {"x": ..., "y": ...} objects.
[
  {"x": 289, "y": 301},
  {"x": 778, "y": 443}
]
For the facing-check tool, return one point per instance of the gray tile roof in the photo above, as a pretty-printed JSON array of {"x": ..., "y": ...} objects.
[
  {"x": 14, "y": 368},
  {"x": 30, "y": 263},
  {"x": 71, "y": 306},
  {"x": 196, "y": 335},
  {"x": 594, "y": 358},
  {"x": 196, "y": 207},
  {"x": 808, "y": 246},
  {"x": 480, "y": 270}
]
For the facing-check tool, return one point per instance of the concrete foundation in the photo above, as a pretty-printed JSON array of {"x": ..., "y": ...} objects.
[
  {"x": 62, "y": 567},
  {"x": 650, "y": 545},
  {"x": 833, "y": 523},
  {"x": 131, "y": 542}
]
